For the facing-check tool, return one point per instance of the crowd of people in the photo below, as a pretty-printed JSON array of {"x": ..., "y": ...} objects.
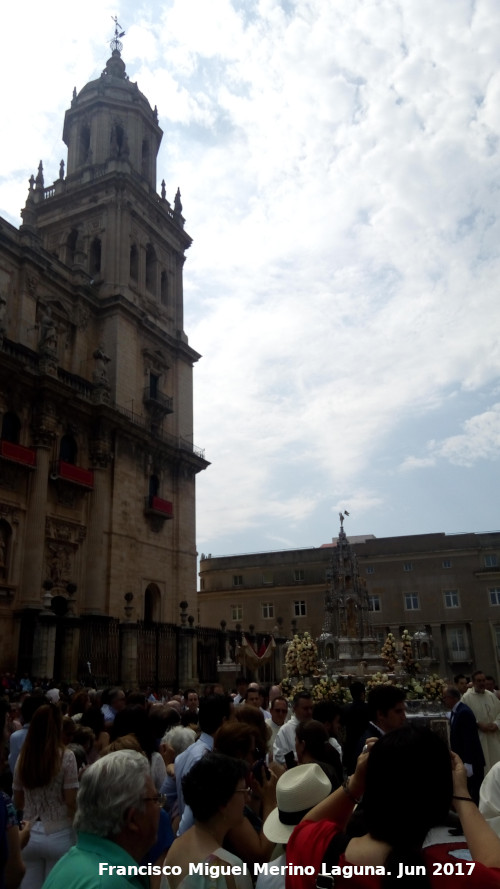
[{"x": 209, "y": 790}]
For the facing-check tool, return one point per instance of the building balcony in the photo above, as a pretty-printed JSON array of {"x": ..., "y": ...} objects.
[
  {"x": 155, "y": 506},
  {"x": 157, "y": 402},
  {"x": 17, "y": 453},
  {"x": 76, "y": 475}
]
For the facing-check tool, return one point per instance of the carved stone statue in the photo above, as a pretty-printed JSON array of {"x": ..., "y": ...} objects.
[
  {"x": 48, "y": 337},
  {"x": 100, "y": 375}
]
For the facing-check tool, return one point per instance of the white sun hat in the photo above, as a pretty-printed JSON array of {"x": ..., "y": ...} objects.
[{"x": 297, "y": 791}]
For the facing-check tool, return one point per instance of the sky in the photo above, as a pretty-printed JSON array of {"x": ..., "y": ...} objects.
[{"x": 339, "y": 165}]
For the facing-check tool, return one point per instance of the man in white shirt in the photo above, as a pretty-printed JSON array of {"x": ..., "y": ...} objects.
[
  {"x": 285, "y": 739},
  {"x": 279, "y": 713}
]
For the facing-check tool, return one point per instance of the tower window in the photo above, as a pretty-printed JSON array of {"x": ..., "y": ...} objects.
[
  {"x": 164, "y": 288},
  {"x": 68, "y": 449},
  {"x": 95, "y": 256},
  {"x": 5, "y": 536},
  {"x": 154, "y": 486},
  {"x": 71, "y": 246},
  {"x": 84, "y": 145},
  {"x": 134, "y": 263},
  {"x": 11, "y": 427},
  {"x": 145, "y": 158},
  {"x": 151, "y": 268}
]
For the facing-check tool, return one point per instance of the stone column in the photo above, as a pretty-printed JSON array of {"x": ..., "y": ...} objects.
[
  {"x": 128, "y": 664},
  {"x": 44, "y": 645},
  {"x": 34, "y": 541},
  {"x": 96, "y": 593}
]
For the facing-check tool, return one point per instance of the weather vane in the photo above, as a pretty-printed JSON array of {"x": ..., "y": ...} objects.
[{"x": 116, "y": 43}]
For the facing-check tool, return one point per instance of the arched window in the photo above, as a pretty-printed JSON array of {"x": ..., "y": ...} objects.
[
  {"x": 152, "y": 602},
  {"x": 95, "y": 256},
  {"x": 5, "y": 537},
  {"x": 151, "y": 268},
  {"x": 71, "y": 246},
  {"x": 68, "y": 449},
  {"x": 134, "y": 263},
  {"x": 84, "y": 147},
  {"x": 145, "y": 158},
  {"x": 164, "y": 288},
  {"x": 154, "y": 486},
  {"x": 11, "y": 427}
]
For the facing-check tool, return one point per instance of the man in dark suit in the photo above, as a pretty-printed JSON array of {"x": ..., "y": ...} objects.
[
  {"x": 355, "y": 718},
  {"x": 464, "y": 740},
  {"x": 386, "y": 712}
]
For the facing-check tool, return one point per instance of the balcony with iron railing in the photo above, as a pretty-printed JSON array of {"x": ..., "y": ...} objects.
[{"x": 157, "y": 401}]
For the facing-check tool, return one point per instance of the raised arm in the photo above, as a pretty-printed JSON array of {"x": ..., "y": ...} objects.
[{"x": 483, "y": 843}]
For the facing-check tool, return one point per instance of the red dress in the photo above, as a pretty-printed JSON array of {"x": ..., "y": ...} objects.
[{"x": 310, "y": 840}]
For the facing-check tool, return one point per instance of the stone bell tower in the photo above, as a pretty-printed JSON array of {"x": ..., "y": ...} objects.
[{"x": 96, "y": 382}]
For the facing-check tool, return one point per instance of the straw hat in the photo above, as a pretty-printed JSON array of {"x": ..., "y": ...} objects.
[{"x": 297, "y": 791}]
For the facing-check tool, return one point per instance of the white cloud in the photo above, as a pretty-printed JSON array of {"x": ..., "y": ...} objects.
[{"x": 339, "y": 172}]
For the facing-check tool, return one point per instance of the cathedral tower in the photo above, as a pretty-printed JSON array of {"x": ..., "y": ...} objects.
[{"x": 97, "y": 462}]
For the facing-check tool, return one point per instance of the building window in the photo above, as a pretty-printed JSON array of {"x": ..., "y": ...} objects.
[
  {"x": 374, "y": 603},
  {"x": 267, "y": 579},
  {"x": 407, "y": 566},
  {"x": 164, "y": 288},
  {"x": 134, "y": 263},
  {"x": 497, "y": 637},
  {"x": 11, "y": 427},
  {"x": 370, "y": 569},
  {"x": 412, "y": 602},
  {"x": 150, "y": 268},
  {"x": 298, "y": 575},
  {"x": 95, "y": 256},
  {"x": 457, "y": 644},
  {"x": 83, "y": 153},
  {"x": 236, "y": 612},
  {"x": 267, "y": 610},
  {"x": 202, "y": 583},
  {"x": 68, "y": 450},
  {"x": 446, "y": 563},
  {"x": 494, "y": 595},
  {"x": 300, "y": 608},
  {"x": 237, "y": 580},
  {"x": 491, "y": 561},
  {"x": 451, "y": 599}
]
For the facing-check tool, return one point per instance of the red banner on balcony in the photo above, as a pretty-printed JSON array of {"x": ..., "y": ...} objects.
[
  {"x": 159, "y": 505},
  {"x": 76, "y": 474},
  {"x": 18, "y": 453}
]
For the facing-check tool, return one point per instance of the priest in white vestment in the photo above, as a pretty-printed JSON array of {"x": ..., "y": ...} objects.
[{"x": 486, "y": 708}]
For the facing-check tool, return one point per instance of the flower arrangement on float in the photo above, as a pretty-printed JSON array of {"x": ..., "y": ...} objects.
[
  {"x": 389, "y": 653},
  {"x": 407, "y": 661},
  {"x": 379, "y": 678},
  {"x": 301, "y": 657},
  {"x": 430, "y": 688},
  {"x": 328, "y": 688}
]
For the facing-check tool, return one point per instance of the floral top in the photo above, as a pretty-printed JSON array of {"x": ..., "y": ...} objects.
[{"x": 46, "y": 804}]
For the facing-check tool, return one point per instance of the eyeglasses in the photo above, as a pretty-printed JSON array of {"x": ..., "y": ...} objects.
[
  {"x": 160, "y": 799},
  {"x": 242, "y": 790}
]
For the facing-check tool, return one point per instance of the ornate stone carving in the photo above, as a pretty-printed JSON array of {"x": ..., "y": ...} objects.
[
  {"x": 68, "y": 532},
  {"x": 59, "y": 559}
]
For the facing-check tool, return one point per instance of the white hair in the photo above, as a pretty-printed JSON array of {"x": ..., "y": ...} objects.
[
  {"x": 108, "y": 789},
  {"x": 179, "y": 738}
]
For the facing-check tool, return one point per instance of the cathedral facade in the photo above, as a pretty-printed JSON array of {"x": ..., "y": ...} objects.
[{"x": 97, "y": 461}]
